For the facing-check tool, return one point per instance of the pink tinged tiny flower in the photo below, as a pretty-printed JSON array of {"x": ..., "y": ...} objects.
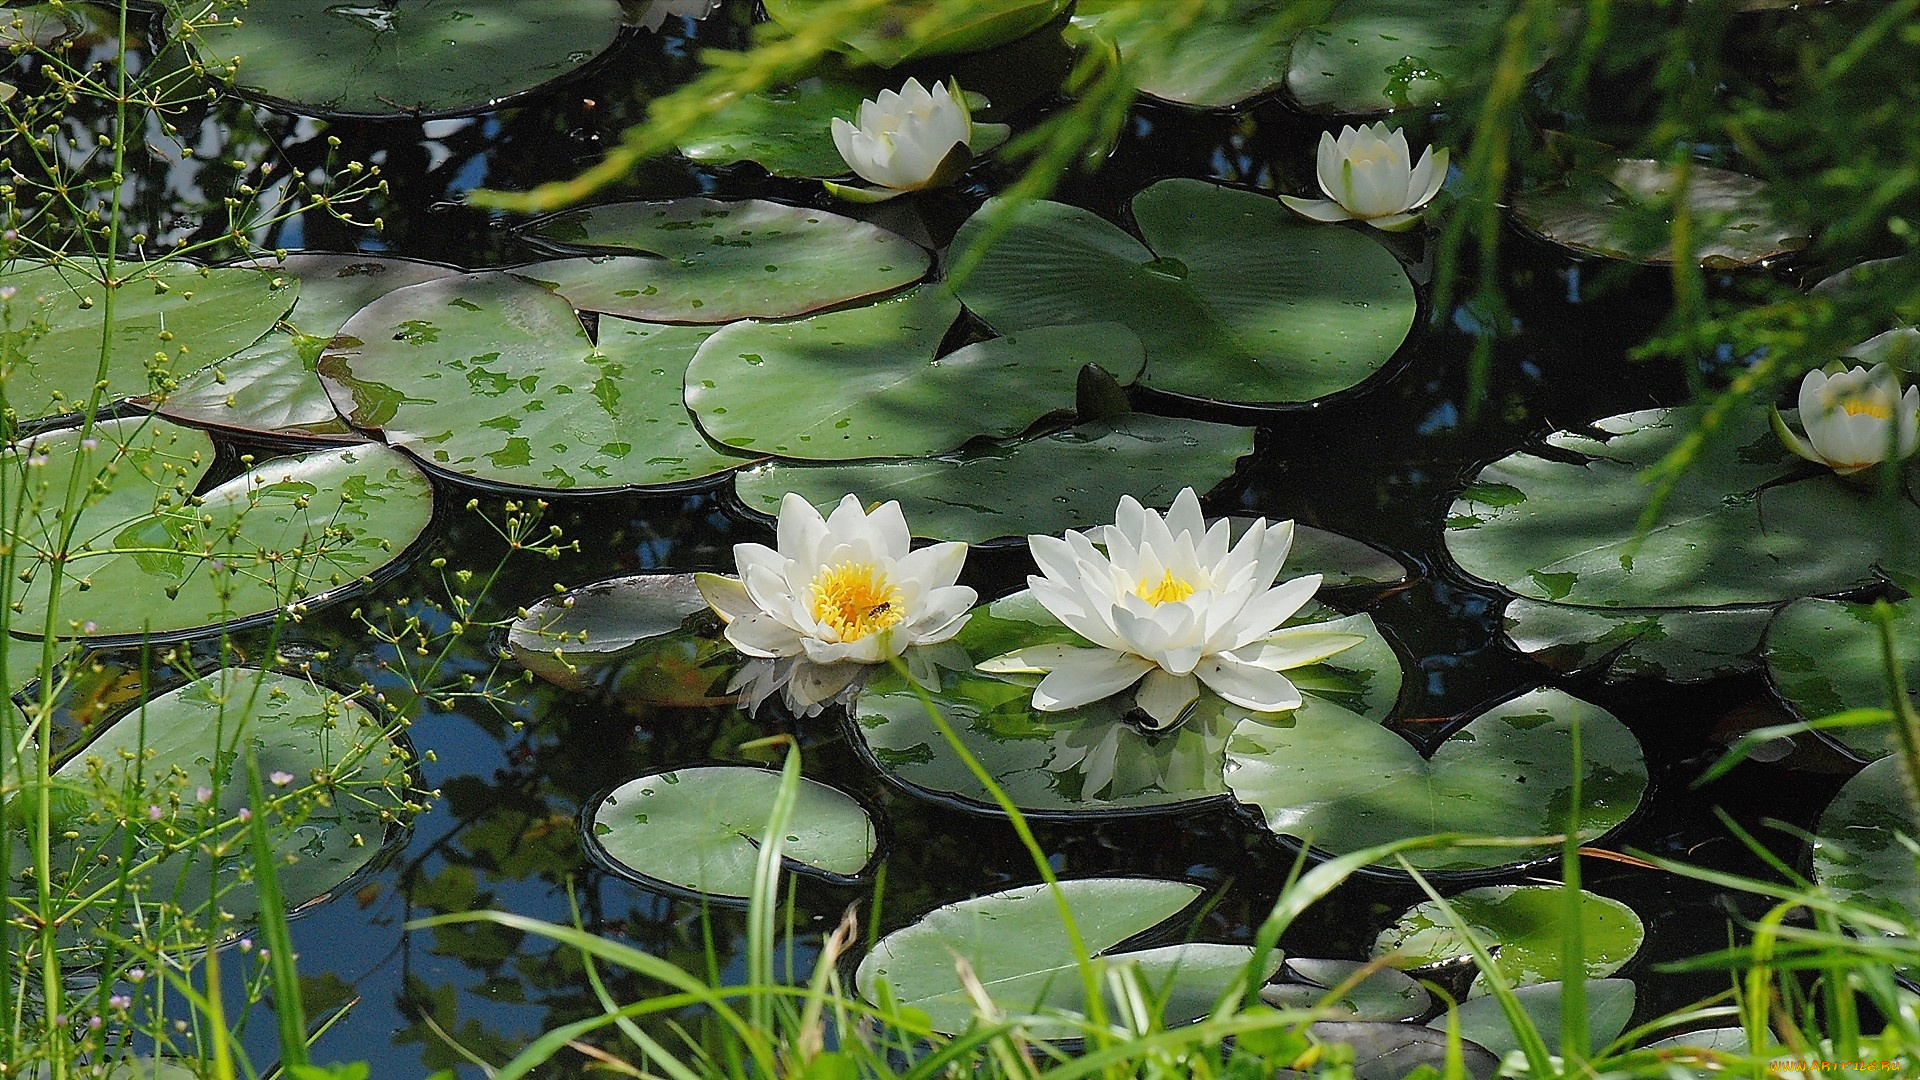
[
  {"x": 246, "y": 944},
  {"x": 89, "y": 627},
  {"x": 154, "y": 813},
  {"x": 89, "y": 444},
  {"x": 136, "y": 975},
  {"x": 121, "y": 1002},
  {"x": 204, "y": 794},
  {"x": 245, "y": 814},
  {"x": 280, "y": 779}
]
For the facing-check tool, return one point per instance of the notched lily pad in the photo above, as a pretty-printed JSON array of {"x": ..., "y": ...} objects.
[
  {"x": 1625, "y": 211},
  {"x": 1521, "y": 925},
  {"x": 1234, "y": 298},
  {"x": 1678, "y": 645},
  {"x": 714, "y": 261},
  {"x": 700, "y": 829},
  {"x": 1340, "y": 782},
  {"x": 271, "y": 387},
  {"x": 1863, "y": 846},
  {"x": 1826, "y": 657},
  {"x": 1748, "y": 523},
  {"x": 1018, "y": 948},
  {"x": 649, "y": 639},
  {"x": 416, "y": 57},
  {"x": 489, "y": 377}
]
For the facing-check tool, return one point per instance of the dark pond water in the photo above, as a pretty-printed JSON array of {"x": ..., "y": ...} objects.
[{"x": 1382, "y": 465}]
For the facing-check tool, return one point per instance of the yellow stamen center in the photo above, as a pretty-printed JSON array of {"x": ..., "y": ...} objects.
[
  {"x": 855, "y": 600},
  {"x": 1874, "y": 407},
  {"x": 1170, "y": 588}
]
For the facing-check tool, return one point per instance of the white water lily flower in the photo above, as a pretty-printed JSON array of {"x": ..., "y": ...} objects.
[
  {"x": 846, "y": 589},
  {"x": 1368, "y": 174},
  {"x": 656, "y": 13},
  {"x": 903, "y": 140},
  {"x": 1169, "y": 606},
  {"x": 1854, "y": 419}
]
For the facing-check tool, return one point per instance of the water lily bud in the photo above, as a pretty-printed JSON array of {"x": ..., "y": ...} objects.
[
  {"x": 907, "y": 141},
  {"x": 1368, "y": 174},
  {"x": 1854, "y": 419}
]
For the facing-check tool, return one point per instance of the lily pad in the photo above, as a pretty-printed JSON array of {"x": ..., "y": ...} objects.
[
  {"x": 271, "y": 387},
  {"x": 490, "y": 377},
  {"x": 902, "y": 30},
  {"x": 1624, "y": 211},
  {"x": 1341, "y": 783},
  {"x": 1375, "y": 56},
  {"x": 288, "y": 533},
  {"x": 1018, "y": 949},
  {"x": 1339, "y": 560},
  {"x": 345, "y": 785},
  {"x": 168, "y": 319},
  {"x": 1825, "y": 657},
  {"x": 1678, "y": 645},
  {"x": 1088, "y": 760},
  {"x": 1746, "y": 524},
  {"x": 415, "y": 57},
  {"x": 1068, "y": 480},
  {"x": 1233, "y": 52},
  {"x": 1873, "y": 279},
  {"x": 699, "y": 829},
  {"x": 648, "y": 638},
  {"x": 1522, "y": 926},
  {"x": 1235, "y": 299},
  {"x": 1863, "y": 845},
  {"x": 714, "y": 261},
  {"x": 1609, "y": 1008},
  {"x": 1394, "y": 1051},
  {"x": 865, "y": 383},
  {"x": 1383, "y": 995}
]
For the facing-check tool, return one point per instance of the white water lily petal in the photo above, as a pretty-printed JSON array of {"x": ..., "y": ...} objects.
[
  {"x": 1296, "y": 647},
  {"x": 1266, "y": 612},
  {"x": 762, "y": 635},
  {"x": 1247, "y": 685},
  {"x": 655, "y": 13},
  {"x": 1081, "y": 676},
  {"x": 900, "y": 139},
  {"x": 1166, "y": 697},
  {"x": 1854, "y": 419},
  {"x": 726, "y": 596}
]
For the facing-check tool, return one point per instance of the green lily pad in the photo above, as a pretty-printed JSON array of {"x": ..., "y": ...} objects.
[
  {"x": 1235, "y": 299},
  {"x": 345, "y": 786},
  {"x": 1609, "y": 1008},
  {"x": 1018, "y": 949},
  {"x": 1522, "y": 926},
  {"x": 1825, "y": 657},
  {"x": 1232, "y": 52},
  {"x": 388, "y": 57},
  {"x": 699, "y": 829},
  {"x": 288, "y": 533},
  {"x": 271, "y": 387},
  {"x": 1375, "y": 56},
  {"x": 1678, "y": 645},
  {"x": 1876, "y": 278},
  {"x": 1068, "y": 480},
  {"x": 713, "y": 261},
  {"x": 1862, "y": 847},
  {"x": 1383, "y": 995},
  {"x": 865, "y": 383},
  {"x": 1624, "y": 211},
  {"x": 649, "y": 638},
  {"x": 1087, "y": 760},
  {"x": 895, "y": 33},
  {"x": 1341, "y": 783},
  {"x": 490, "y": 377},
  {"x": 1746, "y": 524},
  {"x": 168, "y": 320},
  {"x": 1339, "y": 560},
  {"x": 1395, "y": 1051}
]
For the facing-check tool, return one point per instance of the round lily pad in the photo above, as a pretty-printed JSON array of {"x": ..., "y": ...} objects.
[
  {"x": 1068, "y": 480},
  {"x": 1746, "y": 524},
  {"x": 1481, "y": 1019},
  {"x": 1374, "y": 56},
  {"x": 1862, "y": 847},
  {"x": 1826, "y": 657},
  {"x": 649, "y": 638},
  {"x": 1233, "y": 52},
  {"x": 865, "y": 383},
  {"x": 291, "y": 532},
  {"x": 335, "y": 783},
  {"x": 1521, "y": 925},
  {"x": 1383, "y": 995},
  {"x": 1235, "y": 299},
  {"x": 1341, "y": 783},
  {"x": 902, "y": 30},
  {"x": 1624, "y": 211},
  {"x": 713, "y": 261},
  {"x": 493, "y": 378},
  {"x": 1082, "y": 761},
  {"x": 1339, "y": 560},
  {"x": 271, "y": 386},
  {"x": 700, "y": 828},
  {"x": 1017, "y": 947},
  {"x": 168, "y": 319},
  {"x": 418, "y": 57},
  {"x": 1678, "y": 645}
]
